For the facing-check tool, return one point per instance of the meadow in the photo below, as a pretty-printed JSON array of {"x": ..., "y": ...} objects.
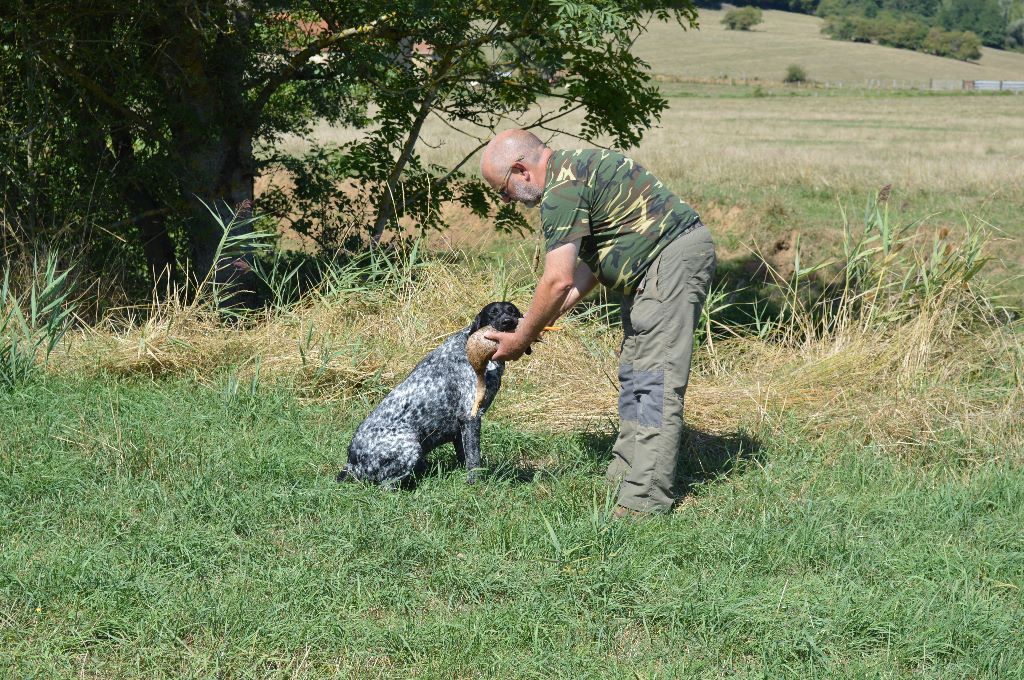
[
  {"x": 852, "y": 487},
  {"x": 762, "y": 161}
]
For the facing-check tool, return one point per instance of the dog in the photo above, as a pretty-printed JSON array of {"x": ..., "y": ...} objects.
[{"x": 436, "y": 404}]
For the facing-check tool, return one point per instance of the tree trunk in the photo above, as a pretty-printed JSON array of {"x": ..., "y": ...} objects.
[
  {"x": 213, "y": 144},
  {"x": 388, "y": 206},
  {"x": 223, "y": 201},
  {"x": 151, "y": 219}
]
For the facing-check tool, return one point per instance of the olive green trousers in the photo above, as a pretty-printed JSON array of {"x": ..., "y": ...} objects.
[{"x": 654, "y": 369}]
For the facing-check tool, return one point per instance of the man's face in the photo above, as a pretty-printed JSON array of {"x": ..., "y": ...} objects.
[{"x": 515, "y": 187}]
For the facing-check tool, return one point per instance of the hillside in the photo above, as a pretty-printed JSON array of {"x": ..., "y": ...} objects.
[{"x": 786, "y": 38}]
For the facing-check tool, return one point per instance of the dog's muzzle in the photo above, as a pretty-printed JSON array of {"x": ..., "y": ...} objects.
[{"x": 506, "y": 323}]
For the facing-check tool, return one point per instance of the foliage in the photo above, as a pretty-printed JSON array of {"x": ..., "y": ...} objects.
[
  {"x": 795, "y": 74},
  {"x": 962, "y": 45},
  {"x": 989, "y": 19},
  {"x": 1015, "y": 36},
  {"x": 742, "y": 19},
  {"x": 119, "y": 122},
  {"x": 35, "y": 322},
  {"x": 984, "y": 18},
  {"x": 906, "y": 33}
]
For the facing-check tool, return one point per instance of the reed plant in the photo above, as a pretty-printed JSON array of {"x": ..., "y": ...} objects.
[{"x": 33, "y": 321}]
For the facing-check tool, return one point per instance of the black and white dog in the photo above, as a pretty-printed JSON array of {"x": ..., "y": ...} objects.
[{"x": 431, "y": 407}]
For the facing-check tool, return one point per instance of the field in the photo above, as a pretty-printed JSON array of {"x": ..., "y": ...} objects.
[
  {"x": 759, "y": 162},
  {"x": 852, "y": 482},
  {"x": 785, "y": 38}
]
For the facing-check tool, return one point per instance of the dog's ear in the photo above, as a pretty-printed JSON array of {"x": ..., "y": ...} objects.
[{"x": 482, "y": 319}]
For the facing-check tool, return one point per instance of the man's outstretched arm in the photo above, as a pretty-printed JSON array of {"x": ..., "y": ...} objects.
[{"x": 557, "y": 291}]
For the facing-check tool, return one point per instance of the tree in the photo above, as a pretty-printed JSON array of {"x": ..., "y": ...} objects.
[
  {"x": 982, "y": 17},
  {"x": 125, "y": 124},
  {"x": 1015, "y": 35},
  {"x": 742, "y": 19},
  {"x": 963, "y": 45}
]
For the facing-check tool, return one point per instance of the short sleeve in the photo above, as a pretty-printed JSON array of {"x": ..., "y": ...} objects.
[{"x": 565, "y": 212}]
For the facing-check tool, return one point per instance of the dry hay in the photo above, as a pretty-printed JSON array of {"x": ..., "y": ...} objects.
[{"x": 911, "y": 384}]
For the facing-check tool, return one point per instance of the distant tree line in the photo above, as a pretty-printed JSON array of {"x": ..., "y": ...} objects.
[{"x": 934, "y": 26}]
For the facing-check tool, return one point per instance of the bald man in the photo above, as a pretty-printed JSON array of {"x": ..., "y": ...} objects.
[{"x": 607, "y": 219}]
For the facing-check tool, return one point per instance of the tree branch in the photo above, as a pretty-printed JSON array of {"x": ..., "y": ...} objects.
[
  {"x": 276, "y": 80},
  {"x": 92, "y": 87}
]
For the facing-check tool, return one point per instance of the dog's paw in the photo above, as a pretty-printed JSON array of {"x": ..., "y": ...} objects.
[{"x": 472, "y": 477}]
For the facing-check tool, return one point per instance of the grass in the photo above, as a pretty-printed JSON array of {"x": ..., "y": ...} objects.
[
  {"x": 758, "y": 168},
  {"x": 157, "y": 530},
  {"x": 852, "y": 478}
]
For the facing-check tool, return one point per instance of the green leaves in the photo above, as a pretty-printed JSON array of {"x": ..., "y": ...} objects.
[
  {"x": 120, "y": 116},
  {"x": 32, "y": 325}
]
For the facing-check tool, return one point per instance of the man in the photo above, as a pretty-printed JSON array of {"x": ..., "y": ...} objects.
[{"x": 606, "y": 219}]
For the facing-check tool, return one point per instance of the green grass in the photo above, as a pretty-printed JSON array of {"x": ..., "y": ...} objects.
[{"x": 164, "y": 530}]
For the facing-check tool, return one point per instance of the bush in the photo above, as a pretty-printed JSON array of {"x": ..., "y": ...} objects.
[
  {"x": 906, "y": 33},
  {"x": 852, "y": 28},
  {"x": 742, "y": 19},
  {"x": 963, "y": 45},
  {"x": 795, "y": 74}
]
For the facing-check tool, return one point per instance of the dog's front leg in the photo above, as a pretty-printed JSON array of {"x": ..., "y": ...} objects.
[{"x": 470, "y": 436}]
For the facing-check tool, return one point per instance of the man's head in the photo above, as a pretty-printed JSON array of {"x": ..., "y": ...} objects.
[{"x": 514, "y": 164}]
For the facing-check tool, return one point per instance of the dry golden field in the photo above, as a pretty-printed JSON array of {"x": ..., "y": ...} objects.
[
  {"x": 760, "y": 161},
  {"x": 786, "y": 38}
]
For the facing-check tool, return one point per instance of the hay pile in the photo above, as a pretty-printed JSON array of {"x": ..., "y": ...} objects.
[{"x": 941, "y": 372}]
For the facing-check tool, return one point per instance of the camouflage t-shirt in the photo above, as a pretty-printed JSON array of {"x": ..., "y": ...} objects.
[{"x": 623, "y": 213}]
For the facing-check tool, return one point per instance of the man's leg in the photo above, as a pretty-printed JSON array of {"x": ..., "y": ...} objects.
[
  {"x": 622, "y": 452},
  {"x": 662, "y": 320}
]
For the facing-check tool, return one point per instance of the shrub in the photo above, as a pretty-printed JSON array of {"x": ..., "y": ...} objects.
[
  {"x": 905, "y": 33},
  {"x": 795, "y": 74},
  {"x": 963, "y": 45},
  {"x": 742, "y": 19},
  {"x": 852, "y": 28}
]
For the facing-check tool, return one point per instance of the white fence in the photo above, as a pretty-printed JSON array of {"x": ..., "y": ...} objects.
[
  {"x": 934, "y": 84},
  {"x": 995, "y": 85}
]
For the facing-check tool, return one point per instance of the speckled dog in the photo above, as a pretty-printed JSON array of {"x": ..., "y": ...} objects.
[{"x": 434, "y": 405}]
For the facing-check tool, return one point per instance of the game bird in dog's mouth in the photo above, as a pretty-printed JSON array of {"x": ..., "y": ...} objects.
[{"x": 441, "y": 401}]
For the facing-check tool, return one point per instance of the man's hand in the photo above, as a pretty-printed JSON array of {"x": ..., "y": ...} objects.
[
  {"x": 555, "y": 287},
  {"x": 511, "y": 346}
]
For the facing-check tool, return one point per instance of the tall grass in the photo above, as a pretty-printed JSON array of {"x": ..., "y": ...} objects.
[
  {"x": 34, "y": 322},
  {"x": 896, "y": 336}
]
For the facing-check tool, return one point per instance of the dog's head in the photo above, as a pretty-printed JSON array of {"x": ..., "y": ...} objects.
[{"x": 501, "y": 316}]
